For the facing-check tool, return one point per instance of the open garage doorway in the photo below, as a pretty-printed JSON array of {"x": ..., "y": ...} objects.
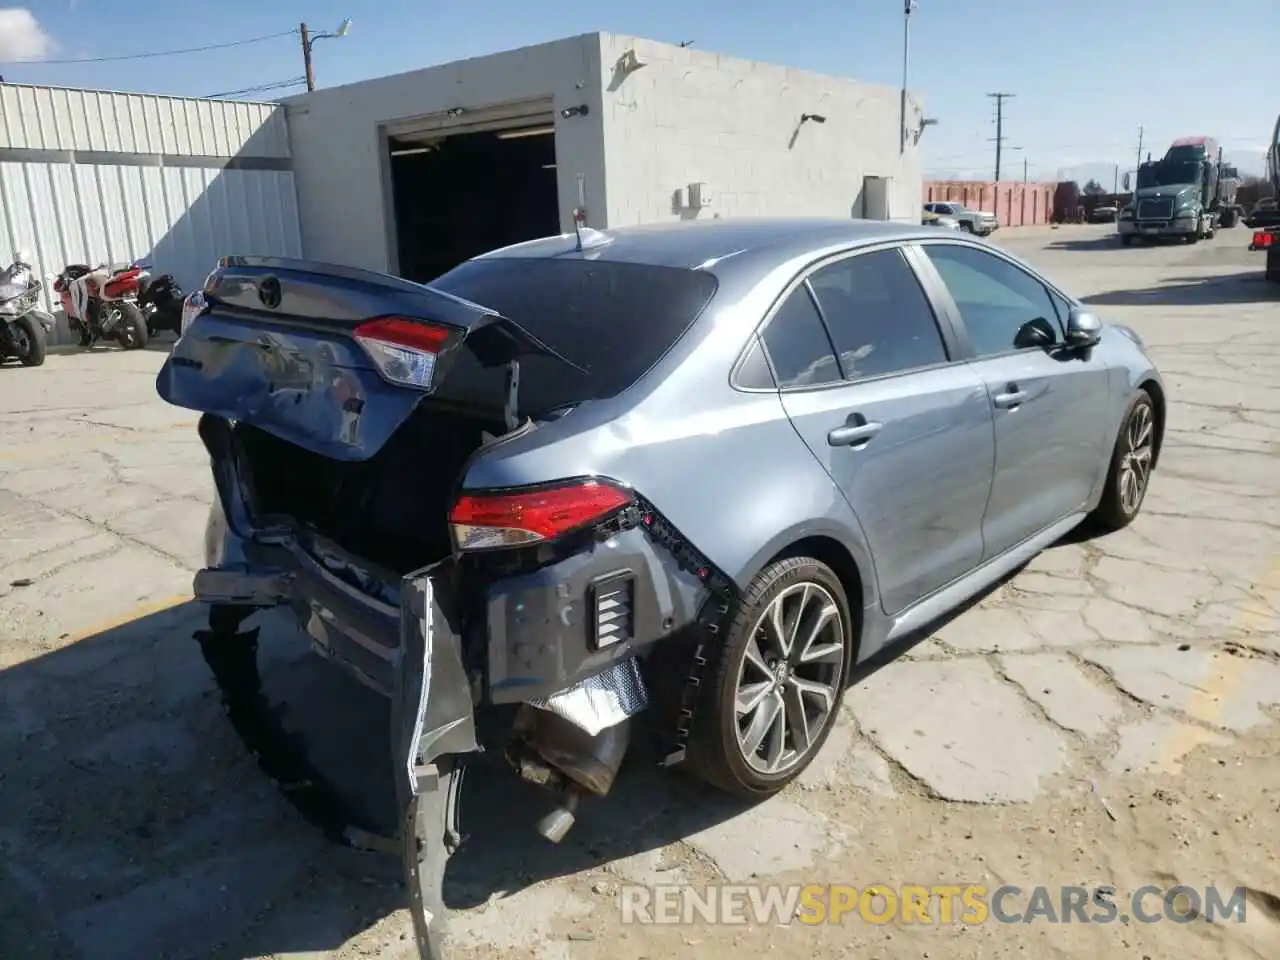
[{"x": 460, "y": 194}]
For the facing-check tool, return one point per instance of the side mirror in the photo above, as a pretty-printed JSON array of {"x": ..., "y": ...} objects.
[
  {"x": 1035, "y": 333},
  {"x": 1126, "y": 181},
  {"x": 1083, "y": 328}
]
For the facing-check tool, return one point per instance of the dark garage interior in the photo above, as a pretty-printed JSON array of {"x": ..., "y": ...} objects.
[{"x": 464, "y": 194}]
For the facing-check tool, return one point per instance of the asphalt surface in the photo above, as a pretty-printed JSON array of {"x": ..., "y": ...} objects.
[{"x": 133, "y": 824}]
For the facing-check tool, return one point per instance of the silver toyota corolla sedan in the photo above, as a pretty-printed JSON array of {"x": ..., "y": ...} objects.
[{"x": 704, "y": 468}]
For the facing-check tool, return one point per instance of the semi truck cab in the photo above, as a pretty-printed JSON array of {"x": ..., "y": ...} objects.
[{"x": 1178, "y": 196}]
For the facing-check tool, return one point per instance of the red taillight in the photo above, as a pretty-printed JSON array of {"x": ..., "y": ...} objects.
[
  {"x": 1263, "y": 238},
  {"x": 404, "y": 350},
  {"x": 482, "y": 521}
]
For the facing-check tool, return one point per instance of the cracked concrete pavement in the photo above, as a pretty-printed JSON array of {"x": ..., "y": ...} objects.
[{"x": 1038, "y": 725}]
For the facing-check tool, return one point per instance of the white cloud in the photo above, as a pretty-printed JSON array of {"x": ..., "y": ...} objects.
[{"x": 21, "y": 36}]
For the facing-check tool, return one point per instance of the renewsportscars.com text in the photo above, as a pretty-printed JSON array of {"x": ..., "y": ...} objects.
[{"x": 814, "y": 904}]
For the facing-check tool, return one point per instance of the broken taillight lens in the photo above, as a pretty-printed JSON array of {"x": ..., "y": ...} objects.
[
  {"x": 404, "y": 350},
  {"x": 512, "y": 518}
]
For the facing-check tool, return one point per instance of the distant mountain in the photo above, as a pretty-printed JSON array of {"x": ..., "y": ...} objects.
[{"x": 1249, "y": 163}]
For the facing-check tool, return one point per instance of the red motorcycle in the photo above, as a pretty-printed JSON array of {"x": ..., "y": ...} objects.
[{"x": 101, "y": 303}]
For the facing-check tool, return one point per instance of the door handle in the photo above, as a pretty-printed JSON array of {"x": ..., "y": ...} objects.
[
  {"x": 856, "y": 432},
  {"x": 1011, "y": 398}
]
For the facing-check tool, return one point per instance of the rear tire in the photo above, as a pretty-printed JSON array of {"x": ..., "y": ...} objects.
[
  {"x": 1132, "y": 460},
  {"x": 34, "y": 355},
  {"x": 131, "y": 331},
  {"x": 1126, "y": 239},
  {"x": 775, "y": 692}
]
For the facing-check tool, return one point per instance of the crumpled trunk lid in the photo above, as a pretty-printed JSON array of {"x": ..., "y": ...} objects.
[{"x": 275, "y": 348}]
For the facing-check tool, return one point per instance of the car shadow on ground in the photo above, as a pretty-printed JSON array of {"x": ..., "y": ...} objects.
[
  {"x": 139, "y": 825},
  {"x": 1105, "y": 242},
  {"x": 1202, "y": 291}
]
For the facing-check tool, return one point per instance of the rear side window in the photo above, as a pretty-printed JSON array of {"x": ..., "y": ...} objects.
[
  {"x": 615, "y": 320},
  {"x": 878, "y": 315},
  {"x": 798, "y": 346}
]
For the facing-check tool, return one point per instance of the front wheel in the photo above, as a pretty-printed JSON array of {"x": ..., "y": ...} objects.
[
  {"x": 1132, "y": 460},
  {"x": 31, "y": 342},
  {"x": 966, "y": 227},
  {"x": 130, "y": 327},
  {"x": 779, "y": 681},
  {"x": 1126, "y": 239}
]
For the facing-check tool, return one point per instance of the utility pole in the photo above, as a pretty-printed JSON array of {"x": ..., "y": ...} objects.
[
  {"x": 1139, "y": 152},
  {"x": 906, "y": 47},
  {"x": 1024, "y": 169},
  {"x": 1115, "y": 181},
  {"x": 306, "y": 56},
  {"x": 308, "y": 41},
  {"x": 999, "y": 98}
]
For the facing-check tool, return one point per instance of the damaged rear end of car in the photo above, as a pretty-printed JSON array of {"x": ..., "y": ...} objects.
[{"x": 343, "y": 412}]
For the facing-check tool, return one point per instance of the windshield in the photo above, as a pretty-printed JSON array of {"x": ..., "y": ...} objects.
[{"x": 1169, "y": 174}]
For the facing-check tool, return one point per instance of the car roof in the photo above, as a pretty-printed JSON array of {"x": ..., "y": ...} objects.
[{"x": 705, "y": 243}]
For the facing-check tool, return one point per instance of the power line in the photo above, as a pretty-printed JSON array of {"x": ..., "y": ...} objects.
[
  {"x": 999, "y": 98},
  {"x": 260, "y": 88},
  {"x": 157, "y": 53}
]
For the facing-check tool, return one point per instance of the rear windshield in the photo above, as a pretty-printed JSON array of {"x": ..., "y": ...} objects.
[{"x": 615, "y": 320}]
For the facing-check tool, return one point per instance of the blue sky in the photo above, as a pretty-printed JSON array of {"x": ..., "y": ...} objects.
[{"x": 1086, "y": 73}]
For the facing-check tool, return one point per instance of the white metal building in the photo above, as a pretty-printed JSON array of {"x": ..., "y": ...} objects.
[
  {"x": 412, "y": 173},
  {"x": 90, "y": 176}
]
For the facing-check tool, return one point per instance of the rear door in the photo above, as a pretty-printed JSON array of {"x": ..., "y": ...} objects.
[
  {"x": 1050, "y": 405},
  {"x": 868, "y": 378}
]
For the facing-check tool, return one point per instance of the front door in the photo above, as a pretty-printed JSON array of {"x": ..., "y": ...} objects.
[
  {"x": 866, "y": 376},
  {"x": 1050, "y": 404}
]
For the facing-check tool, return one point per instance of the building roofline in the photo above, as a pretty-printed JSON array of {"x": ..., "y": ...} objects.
[{"x": 138, "y": 93}]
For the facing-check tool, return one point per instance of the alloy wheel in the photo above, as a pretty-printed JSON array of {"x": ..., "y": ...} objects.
[
  {"x": 788, "y": 682},
  {"x": 1135, "y": 466}
]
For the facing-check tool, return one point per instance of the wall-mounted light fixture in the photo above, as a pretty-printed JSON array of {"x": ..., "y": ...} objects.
[
  {"x": 924, "y": 122},
  {"x": 581, "y": 110},
  {"x": 454, "y": 112},
  {"x": 815, "y": 117}
]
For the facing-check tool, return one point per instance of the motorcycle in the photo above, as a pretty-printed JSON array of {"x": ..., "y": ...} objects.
[
  {"x": 161, "y": 302},
  {"x": 101, "y": 303},
  {"x": 24, "y": 329}
]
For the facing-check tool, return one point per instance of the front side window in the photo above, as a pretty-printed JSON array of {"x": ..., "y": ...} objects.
[
  {"x": 798, "y": 347},
  {"x": 995, "y": 298},
  {"x": 879, "y": 318}
]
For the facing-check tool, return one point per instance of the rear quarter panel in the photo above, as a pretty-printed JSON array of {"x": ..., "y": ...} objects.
[{"x": 725, "y": 467}]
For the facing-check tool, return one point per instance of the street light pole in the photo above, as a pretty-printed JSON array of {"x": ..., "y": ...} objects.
[
  {"x": 906, "y": 48},
  {"x": 308, "y": 40}
]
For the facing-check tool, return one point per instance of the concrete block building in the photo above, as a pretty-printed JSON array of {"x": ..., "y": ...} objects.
[{"x": 415, "y": 172}]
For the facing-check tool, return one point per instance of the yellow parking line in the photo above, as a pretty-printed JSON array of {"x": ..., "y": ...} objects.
[
  {"x": 1225, "y": 675},
  {"x": 137, "y": 613}
]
